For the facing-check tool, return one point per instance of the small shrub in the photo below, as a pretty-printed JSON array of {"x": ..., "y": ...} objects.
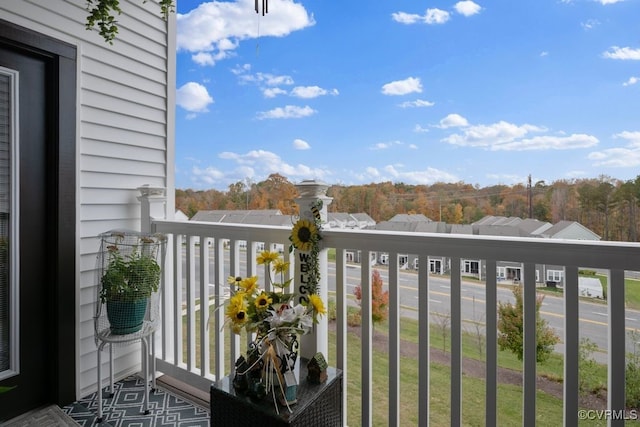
[
  {"x": 510, "y": 328},
  {"x": 587, "y": 368},
  {"x": 632, "y": 374}
]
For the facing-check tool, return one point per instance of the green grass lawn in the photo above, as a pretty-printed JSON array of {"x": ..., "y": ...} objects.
[
  {"x": 549, "y": 408},
  {"x": 510, "y": 397}
]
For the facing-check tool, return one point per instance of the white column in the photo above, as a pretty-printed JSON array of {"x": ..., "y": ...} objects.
[
  {"x": 152, "y": 205},
  {"x": 310, "y": 192}
]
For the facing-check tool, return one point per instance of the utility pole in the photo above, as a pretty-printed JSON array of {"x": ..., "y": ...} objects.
[{"x": 530, "y": 197}]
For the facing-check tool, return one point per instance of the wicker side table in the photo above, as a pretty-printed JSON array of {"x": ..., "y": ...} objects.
[{"x": 318, "y": 404}]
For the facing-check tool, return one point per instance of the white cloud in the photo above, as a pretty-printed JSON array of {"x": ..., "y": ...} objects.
[
  {"x": 548, "y": 142},
  {"x": 403, "y": 87},
  {"x": 632, "y": 137},
  {"x": 263, "y": 163},
  {"x": 624, "y": 53},
  {"x": 505, "y": 136},
  {"x": 605, "y": 2},
  {"x": 489, "y": 136},
  {"x": 216, "y": 27},
  {"x": 406, "y": 18},
  {"x": 385, "y": 145},
  {"x": 310, "y": 92},
  {"x": 264, "y": 79},
  {"x": 616, "y": 157},
  {"x": 453, "y": 120},
  {"x": 272, "y": 92},
  {"x": 420, "y": 129},
  {"x": 208, "y": 176},
  {"x": 418, "y": 103},
  {"x": 590, "y": 24},
  {"x": 413, "y": 146},
  {"x": 467, "y": 8},
  {"x": 193, "y": 97},
  {"x": 431, "y": 16},
  {"x": 436, "y": 16},
  {"x": 427, "y": 176},
  {"x": 287, "y": 112},
  {"x": 301, "y": 144},
  {"x": 631, "y": 81},
  {"x": 544, "y": 53}
]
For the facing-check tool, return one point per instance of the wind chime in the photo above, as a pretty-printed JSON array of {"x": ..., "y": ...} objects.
[{"x": 265, "y": 6}]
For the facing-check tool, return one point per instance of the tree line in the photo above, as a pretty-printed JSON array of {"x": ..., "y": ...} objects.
[{"x": 605, "y": 205}]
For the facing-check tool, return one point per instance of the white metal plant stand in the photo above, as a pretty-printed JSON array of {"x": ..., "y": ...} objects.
[{"x": 125, "y": 261}]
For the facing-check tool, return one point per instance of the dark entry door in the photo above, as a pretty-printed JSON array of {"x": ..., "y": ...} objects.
[
  {"x": 37, "y": 307},
  {"x": 32, "y": 315}
]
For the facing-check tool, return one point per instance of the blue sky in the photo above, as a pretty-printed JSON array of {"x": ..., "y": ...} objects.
[{"x": 354, "y": 92}]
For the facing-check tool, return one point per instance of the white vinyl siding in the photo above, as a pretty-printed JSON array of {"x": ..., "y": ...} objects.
[{"x": 125, "y": 135}]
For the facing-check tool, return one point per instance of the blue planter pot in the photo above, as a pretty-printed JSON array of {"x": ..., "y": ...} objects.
[{"x": 126, "y": 317}]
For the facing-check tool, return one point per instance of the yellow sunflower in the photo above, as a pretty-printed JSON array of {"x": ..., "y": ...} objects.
[
  {"x": 237, "y": 312},
  {"x": 280, "y": 266},
  {"x": 267, "y": 257},
  {"x": 303, "y": 235},
  {"x": 234, "y": 280},
  {"x": 249, "y": 285},
  {"x": 263, "y": 301},
  {"x": 316, "y": 302}
]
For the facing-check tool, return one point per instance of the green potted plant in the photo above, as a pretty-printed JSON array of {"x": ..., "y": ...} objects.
[{"x": 127, "y": 283}]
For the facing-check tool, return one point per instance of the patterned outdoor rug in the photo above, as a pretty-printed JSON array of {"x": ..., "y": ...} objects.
[
  {"x": 125, "y": 408},
  {"x": 50, "y": 416}
]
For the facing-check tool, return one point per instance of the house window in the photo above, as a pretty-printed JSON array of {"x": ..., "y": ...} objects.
[
  {"x": 403, "y": 260},
  {"x": 384, "y": 259},
  {"x": 435, "y": 266},
  {"x": 351, "y": 257},
  {"x": 555, "y": 275},
  {"x": 501, "y": 273},
  {"x": 9, "y": 344},
  {"x": 470, "y": 267}
]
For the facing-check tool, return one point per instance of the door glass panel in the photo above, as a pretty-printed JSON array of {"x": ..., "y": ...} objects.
[{"x": 7, "y": 287}]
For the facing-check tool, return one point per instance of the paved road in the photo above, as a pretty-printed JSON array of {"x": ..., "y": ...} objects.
[{"x": 593, "y": 315}]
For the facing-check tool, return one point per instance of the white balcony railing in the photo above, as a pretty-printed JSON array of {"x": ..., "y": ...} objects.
[{"x": 232, "y": 249}]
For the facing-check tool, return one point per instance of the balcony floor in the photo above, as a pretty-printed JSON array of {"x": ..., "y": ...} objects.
[{"x": 125, "y": 408}]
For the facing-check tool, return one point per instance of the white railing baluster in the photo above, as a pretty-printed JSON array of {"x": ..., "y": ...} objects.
[
  {"x": 424, "y": 353},
  {"x": 220, "y": 281},
  {"x": 366, "y": 361},
  {"x": 394, "y": 341},
  {"x": 177, "y": 294},
  {"x": 205, "y": 368},
  {"x": 617, "y": 339},
  {"x": 456, "y": 343},
  {"x": 341, "y": 322},
  {"x": 234, "y": 267},
  {"x": 571, "y": 346},
  {"x": 491, "y": 378},
  {"x": 529, "y": 342},
  {"x": 191, "y": 304}
]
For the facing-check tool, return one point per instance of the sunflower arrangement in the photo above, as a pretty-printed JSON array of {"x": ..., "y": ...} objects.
[
  {"x": 269, "y": 313},
  {"x": 277, "y": 321}
]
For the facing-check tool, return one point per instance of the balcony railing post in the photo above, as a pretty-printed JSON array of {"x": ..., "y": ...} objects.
[
  {"x": 152, "y": 206},
  {"x": 310, "y": 192}
]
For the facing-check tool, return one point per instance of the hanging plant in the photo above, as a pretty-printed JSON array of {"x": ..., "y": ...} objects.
[{"x": 101, "y": 14}]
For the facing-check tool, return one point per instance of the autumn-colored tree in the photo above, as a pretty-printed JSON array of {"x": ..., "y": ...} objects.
[
  {"x": 606, "y": 206},
  {"x": 379, "y": 298}
]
